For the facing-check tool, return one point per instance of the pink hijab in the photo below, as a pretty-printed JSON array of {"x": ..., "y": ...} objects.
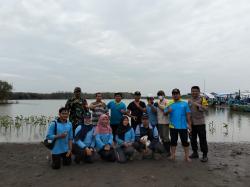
[{"x": 100, "y": 128}]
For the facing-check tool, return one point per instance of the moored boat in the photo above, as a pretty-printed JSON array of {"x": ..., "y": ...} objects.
[{"x": 240, "y": 107}]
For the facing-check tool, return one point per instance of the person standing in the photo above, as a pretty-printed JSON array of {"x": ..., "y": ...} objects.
[
  {"x": 98, "y": 108},
  {"x": 152, "y": 111},
  {"x": 61, "y": 132},
  {"x": 76, "y": 106},
  {"x": 198, "y": 106},
  {"x": 163, "y": 121},
  {"x": 180, "y": 123},
  {"x": 117, "y": 108},
  {"x": 135, "y": 110}
]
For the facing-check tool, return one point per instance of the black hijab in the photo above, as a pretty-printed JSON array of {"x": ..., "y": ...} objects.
[{"x": 121, "y": 129}]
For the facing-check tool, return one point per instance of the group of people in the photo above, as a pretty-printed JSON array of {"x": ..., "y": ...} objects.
[{"x": 117, "y": 132}]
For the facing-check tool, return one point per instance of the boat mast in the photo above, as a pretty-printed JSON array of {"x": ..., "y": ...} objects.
[{"x": 204, "y": 86}]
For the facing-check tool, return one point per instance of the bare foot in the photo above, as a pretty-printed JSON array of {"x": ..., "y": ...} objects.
[
  {"x": 173, "y": 157},
  {"x": 187, "y": 159}
]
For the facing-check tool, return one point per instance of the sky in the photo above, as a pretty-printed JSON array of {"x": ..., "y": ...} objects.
[{"x": 117, "y": 45}]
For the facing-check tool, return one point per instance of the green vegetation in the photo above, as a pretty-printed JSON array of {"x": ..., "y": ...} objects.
[
  {"x": 66, "y": 95},
  {"x": 7, "y": 94},
  {"x": 5, "y": 91},
  {"x": 18, "y": 121}
]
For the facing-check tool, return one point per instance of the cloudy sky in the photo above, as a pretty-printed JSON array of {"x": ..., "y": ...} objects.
[{"x": 117, "y": 45}]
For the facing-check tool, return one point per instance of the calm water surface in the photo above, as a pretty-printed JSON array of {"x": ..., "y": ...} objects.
[{"x": 223, "y": 125}]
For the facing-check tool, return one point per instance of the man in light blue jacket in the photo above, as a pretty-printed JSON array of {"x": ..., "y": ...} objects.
[
  {"x": 63, "y": 139},
  {"x": 147, "y": 139}
]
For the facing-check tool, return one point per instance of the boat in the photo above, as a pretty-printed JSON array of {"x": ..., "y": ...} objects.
[{"x": 240, "y": 107}]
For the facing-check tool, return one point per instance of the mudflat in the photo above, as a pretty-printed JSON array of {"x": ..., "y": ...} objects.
[{"x": 27, "y": 165}]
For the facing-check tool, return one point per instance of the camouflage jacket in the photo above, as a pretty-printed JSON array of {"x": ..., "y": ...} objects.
[{"x": 77, "y": 109}]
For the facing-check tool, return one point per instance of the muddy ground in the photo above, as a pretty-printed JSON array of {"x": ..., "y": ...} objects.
[{"x": 27, "y": 165}]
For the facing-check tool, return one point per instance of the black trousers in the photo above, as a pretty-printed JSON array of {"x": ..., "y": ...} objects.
[
  {"x": 139, "y": 146},
  {"x": 155, "y": 146},
  {"x": 183, "y": 135},
  {"x": 199, "y": 130},
  {"x": 56, "y": 160},
  {"x": 108, "y": 155},
  {"x": 122, "y": 153},
  {"x": 81, "y": 156},
  {"x": 114, "y": 130}
]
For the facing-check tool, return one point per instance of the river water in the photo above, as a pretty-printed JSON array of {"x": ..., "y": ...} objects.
[{"x": 223, "y": 125}]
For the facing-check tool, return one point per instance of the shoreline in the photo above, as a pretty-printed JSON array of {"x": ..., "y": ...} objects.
[
  {"x": 228, "y": 165},
  {"x": 9, "y": 102}
]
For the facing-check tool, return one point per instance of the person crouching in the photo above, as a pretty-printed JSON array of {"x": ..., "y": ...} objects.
[
  {"x": 84, "y": 141},
  {"x": 147, "y": 138},
  {"x": 104, "y": 139},
  {"x": 125, "y": 139}
]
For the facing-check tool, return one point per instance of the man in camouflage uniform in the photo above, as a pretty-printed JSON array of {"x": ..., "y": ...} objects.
[{"x": 77, "y": 107}]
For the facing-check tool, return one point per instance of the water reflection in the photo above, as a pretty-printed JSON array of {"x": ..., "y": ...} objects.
[
  {"x": 211, "y": 128},
  {"x": 225, "y": 125},
  {"x": 23, "y": 129},
  {"x": 26, "y": 133},
  {"x": 29, "y": 121}
]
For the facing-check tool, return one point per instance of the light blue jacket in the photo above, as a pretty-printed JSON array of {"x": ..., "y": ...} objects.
[
  {"x": 103, "y": 139},
  {"x": 89, "y": 140},
  {"x": 129, "y": 137},
  {"x": 152, "y": 115},
  {"x": 61, "y": 144}
]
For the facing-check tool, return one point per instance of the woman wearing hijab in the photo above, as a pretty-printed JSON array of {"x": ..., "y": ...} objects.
[
  {"x": 104, "y": 139},
  {"x": 84, "y": 141},
  {"x": 125, "y": 139}
]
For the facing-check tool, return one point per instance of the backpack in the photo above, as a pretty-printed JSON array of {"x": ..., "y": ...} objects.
[{"x": 47, "y": 143}]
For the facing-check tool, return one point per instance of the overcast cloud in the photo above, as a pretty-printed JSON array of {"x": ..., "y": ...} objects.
[{"x": 48, "y": 46}]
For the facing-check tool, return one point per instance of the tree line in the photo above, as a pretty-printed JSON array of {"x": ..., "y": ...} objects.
[
  {"x": 63, "y": 95},
  {"x": 7, "y": 94}
]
